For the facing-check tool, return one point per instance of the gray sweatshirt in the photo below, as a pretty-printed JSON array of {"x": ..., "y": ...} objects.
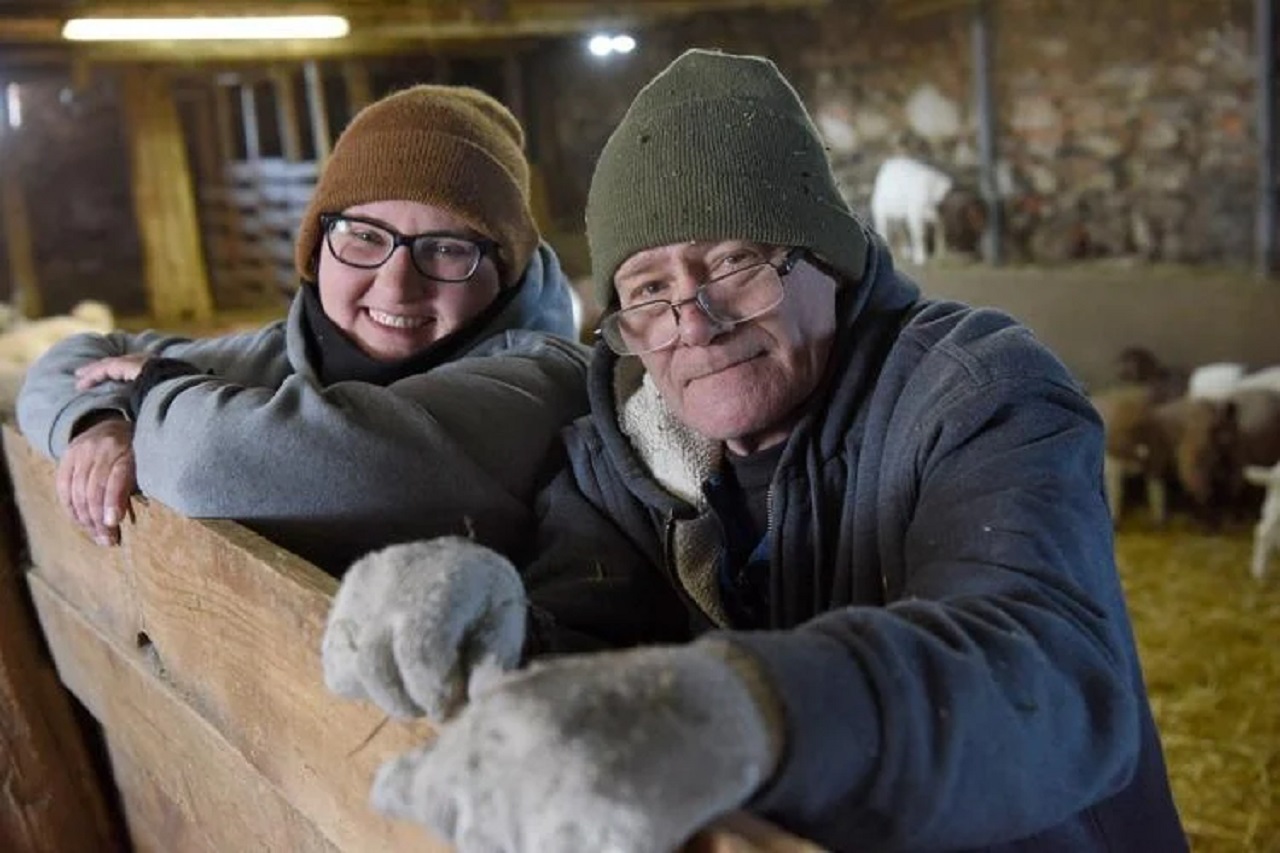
[{"x": 331, "y": 472}]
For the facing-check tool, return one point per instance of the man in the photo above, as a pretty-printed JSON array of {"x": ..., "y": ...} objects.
[{"x": 880, "y": 516}]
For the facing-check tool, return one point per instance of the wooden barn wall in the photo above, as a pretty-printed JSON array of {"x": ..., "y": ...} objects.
[
  {"x": 1125, "y": 129},
  {"x": 72, "y": 171}
]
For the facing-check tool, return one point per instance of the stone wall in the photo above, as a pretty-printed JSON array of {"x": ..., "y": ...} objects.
[{"x": 1125, "y": 129}]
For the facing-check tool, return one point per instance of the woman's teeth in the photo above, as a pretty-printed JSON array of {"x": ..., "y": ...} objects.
[{"x": 397, "y": 321}]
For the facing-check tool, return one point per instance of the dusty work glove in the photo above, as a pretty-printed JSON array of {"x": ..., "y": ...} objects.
[
  {"x": 412, "y": 625},
  {"x": 627, "y": 752}
]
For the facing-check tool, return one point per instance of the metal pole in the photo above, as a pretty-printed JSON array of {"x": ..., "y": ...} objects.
[
  {"x": 1264, "y": 25},
  {"x": 983, "y": 60}
]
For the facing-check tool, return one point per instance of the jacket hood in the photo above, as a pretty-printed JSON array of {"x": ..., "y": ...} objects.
[
  {"x": 664, "y": 461},
  {"x": 541, "y": 303}
]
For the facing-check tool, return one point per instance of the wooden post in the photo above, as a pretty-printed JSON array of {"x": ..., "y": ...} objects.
[
  {"x": 287, "y": 115},
  {"x": 17, "y": 224},
  {"x": 53, "y": 798},
  {"x": 318, "y": 110},
  {"x": 164, "y": 204},
  {"x": 355, "y": 76}
]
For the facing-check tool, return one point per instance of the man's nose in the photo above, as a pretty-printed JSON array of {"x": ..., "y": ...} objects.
[{"x": 697, "y": 328}]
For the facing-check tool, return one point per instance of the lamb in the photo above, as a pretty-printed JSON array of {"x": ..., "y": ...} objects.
[
  {"x": 1193, "y": 441},
  {"x": 27, "y": 340},
  {"x": 909, "y": 191},
  {"x": 1214, "y": 381},
  {"x": 1266, "y": 536}
]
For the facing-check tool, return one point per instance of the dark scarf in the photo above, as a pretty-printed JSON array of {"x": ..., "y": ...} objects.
[{"x": 337, "y": 359}]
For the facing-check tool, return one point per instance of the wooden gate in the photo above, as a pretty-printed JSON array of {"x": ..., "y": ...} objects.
[{"x": 195, "y": 644}]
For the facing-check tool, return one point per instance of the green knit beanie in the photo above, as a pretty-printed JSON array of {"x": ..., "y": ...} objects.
[{"x": 717, "y": 147}]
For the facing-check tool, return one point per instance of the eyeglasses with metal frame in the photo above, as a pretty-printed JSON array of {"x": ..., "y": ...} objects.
[
  {"x": 437, "y": 255},
  {"x": 751, "y": 288}
]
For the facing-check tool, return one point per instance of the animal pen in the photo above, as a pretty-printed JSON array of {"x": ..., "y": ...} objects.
[{"x": 195, "y": 646}]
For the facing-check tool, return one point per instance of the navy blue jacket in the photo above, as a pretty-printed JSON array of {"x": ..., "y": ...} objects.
[{"x": 946, "y": 628}]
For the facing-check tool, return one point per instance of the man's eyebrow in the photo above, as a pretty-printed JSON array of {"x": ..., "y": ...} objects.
[{"x": 635, "y": 269}]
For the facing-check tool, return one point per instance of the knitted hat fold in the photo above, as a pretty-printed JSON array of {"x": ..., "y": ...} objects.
[
  {"x": 717, "y": 147},
  {"x": 449, "y": 146}
]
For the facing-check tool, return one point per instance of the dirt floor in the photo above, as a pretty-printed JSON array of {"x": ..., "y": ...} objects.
[{"x": 1209, "y": 636}]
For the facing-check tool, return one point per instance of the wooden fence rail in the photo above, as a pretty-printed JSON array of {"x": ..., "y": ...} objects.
[{"x": 195, "y": 645}]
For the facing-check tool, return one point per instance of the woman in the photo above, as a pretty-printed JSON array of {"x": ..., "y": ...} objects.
[{"x": 410, "y": 392}]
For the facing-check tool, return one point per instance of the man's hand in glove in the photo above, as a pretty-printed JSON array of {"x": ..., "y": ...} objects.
[
  {"x": 412, "y": 624},
  {"x": 627, "y": 752}
]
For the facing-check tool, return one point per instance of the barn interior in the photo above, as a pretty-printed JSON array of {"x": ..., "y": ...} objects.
[{"x": 1123, "y": 155}]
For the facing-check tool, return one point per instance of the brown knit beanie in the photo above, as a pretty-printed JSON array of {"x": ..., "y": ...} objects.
[
  {"x": 717, "y": 147},
  {"x": 449, "y": 146}
]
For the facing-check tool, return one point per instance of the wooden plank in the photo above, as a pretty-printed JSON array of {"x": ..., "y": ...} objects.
[
  {"x": 155, "y": 819},
  {"x": 240, "y": 640},
  {"x": 164, "y": 203},
  {"x": 229, "y": 626},
  {"x": 184, "y": 783},
  {"x": 48, "y": 771}
]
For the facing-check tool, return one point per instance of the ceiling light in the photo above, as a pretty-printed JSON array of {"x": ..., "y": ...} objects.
[
  {"x": 600, "y": 45},
  {"x": 212, "y": 29},
  {"x": 603, "y": 45}
]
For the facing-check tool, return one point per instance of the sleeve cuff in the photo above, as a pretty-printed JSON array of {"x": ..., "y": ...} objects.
[{"x": 155, "y": 371}]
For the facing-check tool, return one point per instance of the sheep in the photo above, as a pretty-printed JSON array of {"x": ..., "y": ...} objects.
[
  {"x": 1135, "y": 446},
  {"x": 1214, "y": 381},
  {"x": 909, "y": 191},
  {"x": 1194, "y": 442},
  {"x": 27, "y": 340},
  {"x": 1139, "y": 366},
  {"x": 1267, "y": 378},
  {"x": 1266, "y": 536}
]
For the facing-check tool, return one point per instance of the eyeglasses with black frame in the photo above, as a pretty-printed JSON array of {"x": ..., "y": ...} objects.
[
  {"x": 438, "y": 255},
  {"x": 752, "y": 287}
]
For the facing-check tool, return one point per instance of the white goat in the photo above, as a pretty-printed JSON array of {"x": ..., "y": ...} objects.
[
  {"x": 1266, "y": 536},
  {"x": 910, "y": 191}
]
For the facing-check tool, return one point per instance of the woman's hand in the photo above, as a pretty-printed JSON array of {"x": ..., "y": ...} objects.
[
  {"x": 96, "y": 476},
  {"x": 118, "y": 368}
]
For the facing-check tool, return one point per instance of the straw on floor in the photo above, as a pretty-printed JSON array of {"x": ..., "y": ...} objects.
[{"x": 1209, "y": 635}]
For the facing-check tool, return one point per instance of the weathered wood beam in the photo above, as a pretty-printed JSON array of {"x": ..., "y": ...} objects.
[
  {"x": 23, "y": 277},
  {"x": 287, "y": 114},
  {"x": 176, "y": 281},
  {"x": 53, "y": 798}
]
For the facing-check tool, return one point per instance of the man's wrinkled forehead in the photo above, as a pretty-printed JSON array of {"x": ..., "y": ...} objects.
[{"x": 658, "y": 258}]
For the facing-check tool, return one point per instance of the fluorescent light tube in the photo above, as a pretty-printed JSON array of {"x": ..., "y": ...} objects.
[{"x": 212, "y": 29}]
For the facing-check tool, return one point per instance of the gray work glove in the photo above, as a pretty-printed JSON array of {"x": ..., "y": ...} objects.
[
  {"x": 413, "y": 625},
  {"x": 626, "y": 752}
]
